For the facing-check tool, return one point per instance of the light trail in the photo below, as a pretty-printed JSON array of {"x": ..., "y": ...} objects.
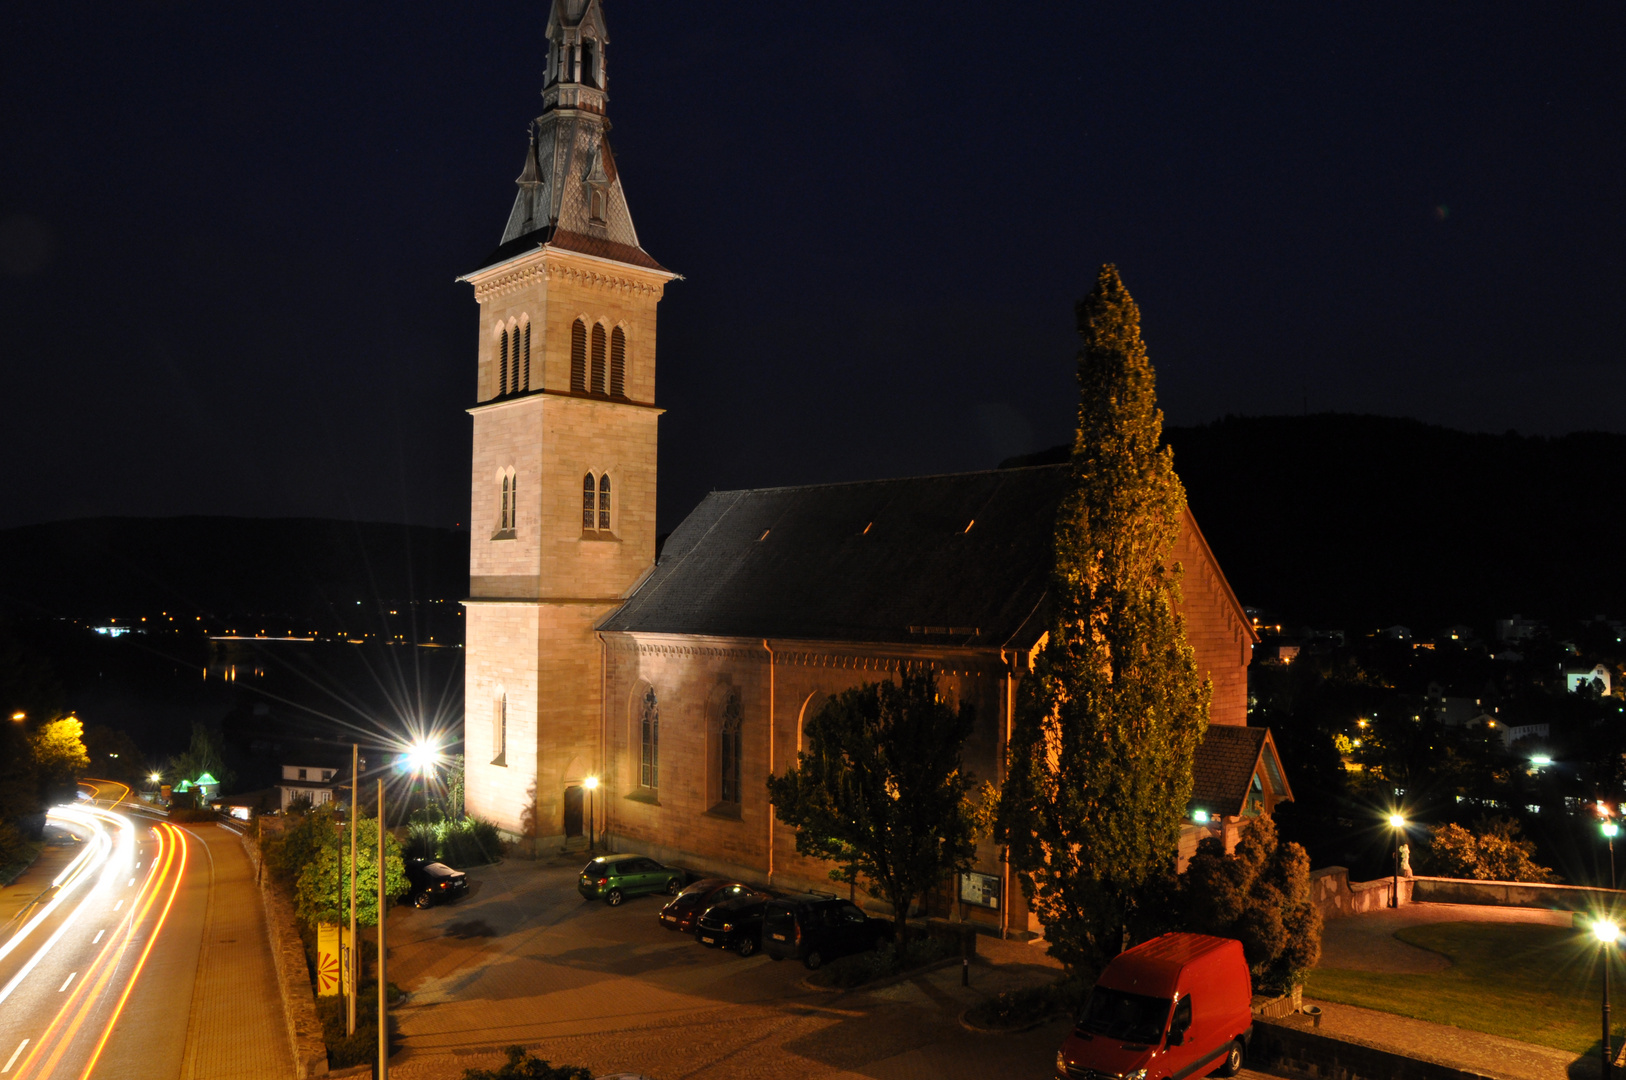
[{"x": 74, "y": 1013}]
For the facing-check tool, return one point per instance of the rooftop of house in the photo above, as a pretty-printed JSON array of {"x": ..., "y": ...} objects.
[{"x": 1223, "y": 768}]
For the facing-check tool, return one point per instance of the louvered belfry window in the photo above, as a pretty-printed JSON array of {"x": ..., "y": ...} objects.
[
  {"x": 502, "y": 376},
  {"x": 598, "y": 386},
  {"x": 618, "y": 363},
  {"x": 578, "y": 356},
  {"x": 589, "y": 501},
  {"x": 525, "y": 383},
  {"x": 604, "y": 503}
]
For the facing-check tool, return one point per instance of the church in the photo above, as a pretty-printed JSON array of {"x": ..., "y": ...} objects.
[{"x": 642, "y": 693}]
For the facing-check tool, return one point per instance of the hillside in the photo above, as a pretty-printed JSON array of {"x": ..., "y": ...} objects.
[
  {"x": 301, "y": 567},
  {"x": 1363, "y": 521}
]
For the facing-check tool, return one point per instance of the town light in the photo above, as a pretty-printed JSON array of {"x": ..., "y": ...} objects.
[
  {"x": 1396, "y": 821},
  {"x": 19, "y": 716},
  {"x": 1606, "y": 932},
  {"x": 1541, "y": 761},
  {"x": 591, "y": 783},
  {"x": 1610, "y": 829},
  {"x": 422, "y": 756},
  {"x": 1199, "y": 817}
]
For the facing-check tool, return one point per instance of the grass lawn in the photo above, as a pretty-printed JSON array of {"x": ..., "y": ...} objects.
[{"x": 1538, "y": 984}]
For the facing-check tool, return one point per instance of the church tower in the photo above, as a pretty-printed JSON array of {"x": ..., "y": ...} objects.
[{"x": 562, "y": 513}]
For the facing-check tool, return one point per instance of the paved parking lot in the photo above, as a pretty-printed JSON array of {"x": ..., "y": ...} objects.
[{"x": 524, "y": 960}]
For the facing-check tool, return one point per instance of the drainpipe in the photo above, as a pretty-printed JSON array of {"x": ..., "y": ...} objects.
[
  {"x": 769, "y": 649},
  {"x": 1004, "y": 775},
  {"x": 603, "y": 719}
]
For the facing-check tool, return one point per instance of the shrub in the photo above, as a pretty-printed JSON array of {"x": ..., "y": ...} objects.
[
  {"x": 881, "y": 963},
  {"x": 1031, "y": 1005},
  {"x": 1496, "y": 854},
  {"x": 1259, "y": 895},
  {"x": 467, "y": 841},
  {"x": 523, "y": 1066},
  {"x": 362, "y": 1047}
]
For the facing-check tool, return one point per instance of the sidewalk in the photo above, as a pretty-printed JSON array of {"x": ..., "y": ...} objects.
[
  {"x": 237, "y": 1030},
  {"x": 17, "y": 898}
]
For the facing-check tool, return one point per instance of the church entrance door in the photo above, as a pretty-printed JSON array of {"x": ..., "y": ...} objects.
[{"x": 573, "y": 810}]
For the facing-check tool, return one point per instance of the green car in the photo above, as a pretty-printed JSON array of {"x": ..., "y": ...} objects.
[{"x": 613, "y": 878}]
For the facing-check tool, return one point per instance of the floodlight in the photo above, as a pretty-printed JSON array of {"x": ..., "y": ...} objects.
[
  {"x": 1606, "y": 932},
  {"x": 1396, "y": 821},
  {"x": 591, "y": 783}
]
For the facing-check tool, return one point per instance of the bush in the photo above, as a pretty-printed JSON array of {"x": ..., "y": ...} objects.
[
  {"x": 1496, "y": 854},
  {"x": 362, "y": 1047},
  {"x": 522, "y": 1066},
  {"x": 467, "y": 841},
  {"x": 1032, "y": 1005}
]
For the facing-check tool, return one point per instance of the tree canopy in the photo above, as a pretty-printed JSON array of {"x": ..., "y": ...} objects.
[
  {"x": 1109, "y": 718},
  {"x": 880, "y": 789},
  {"x": 314, "y": 855}
]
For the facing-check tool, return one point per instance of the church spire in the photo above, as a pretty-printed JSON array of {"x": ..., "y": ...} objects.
[{"x": 569, "y": 190}]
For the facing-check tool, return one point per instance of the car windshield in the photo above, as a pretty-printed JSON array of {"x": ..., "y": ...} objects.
[{"x": 1119, "y": 1014}]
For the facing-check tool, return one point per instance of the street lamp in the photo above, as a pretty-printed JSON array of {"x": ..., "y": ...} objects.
[
  {"x": 1607, "y": 934},
  {"x": 591, "y": 784},
  {"x": 1398, "y": 824},
  {"x": 1610, "y": 830},
  {"x": 423, "y": 756}
]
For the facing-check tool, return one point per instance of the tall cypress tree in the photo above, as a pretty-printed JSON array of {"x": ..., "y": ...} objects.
[{"x": 1108, "y": 720}]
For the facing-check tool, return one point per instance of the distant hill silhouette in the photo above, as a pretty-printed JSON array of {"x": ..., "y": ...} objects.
[
  {"x": 1356, "y": 522},
  {"x": 99, "y": 567}
]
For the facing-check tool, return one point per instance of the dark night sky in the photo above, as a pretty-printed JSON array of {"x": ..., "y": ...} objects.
[{"x": 229, "y": 232}]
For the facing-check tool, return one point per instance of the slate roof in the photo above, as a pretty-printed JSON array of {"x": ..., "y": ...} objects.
[
  {"x": 941, "y": 560},
  {"x": 1223, "y": 768},
  {"x": 569, "y": 241}
]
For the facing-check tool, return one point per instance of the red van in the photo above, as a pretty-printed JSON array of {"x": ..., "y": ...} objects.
[{"x": 1176, "y": 1006}]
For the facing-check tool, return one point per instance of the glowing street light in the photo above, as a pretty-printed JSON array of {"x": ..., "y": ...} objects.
[
  {"x": 19, "y": 717},
  {"x": 1398, "y": 824},
  {"x": 1607, "y": 934},
  {"x": 422, "y": 756},
  {"x": 591, "y": 784}
]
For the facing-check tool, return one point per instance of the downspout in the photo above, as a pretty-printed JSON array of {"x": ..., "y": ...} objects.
[
  {"x": 769, "y": 648},
  {"x": 603, "y": 722},
  {"x": 1004, "y": 775}
]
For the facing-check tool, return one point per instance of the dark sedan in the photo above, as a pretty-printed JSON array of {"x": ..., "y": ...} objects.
[
  {"x": 681, "y": 912},
  {"x": 733, "y": 924},
  {"x": 434, "y": 882}
]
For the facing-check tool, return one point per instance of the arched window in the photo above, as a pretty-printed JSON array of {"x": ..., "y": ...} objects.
[
  {"x": 578, "y": 356},
  {"x": 502, "y": 375},
  {"x": 505, "y": 512},
  {"x": 604, "y": 503},
  {"x": 729, "y": 745},
  {"x": 525, "y": 383},
  {"x": 589, "y": 501},
  {"x": 499, "y": 730},
  {"x": 598, "y": 384},
  {"x": 649, "y": 742},
  {"x": 618, "y": 363}
]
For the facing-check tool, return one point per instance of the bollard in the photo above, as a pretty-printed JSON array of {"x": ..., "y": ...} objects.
[{"x": 965, "y": 960}]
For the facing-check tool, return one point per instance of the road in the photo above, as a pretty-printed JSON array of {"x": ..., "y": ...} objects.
[{"x": 97, "y": 976}]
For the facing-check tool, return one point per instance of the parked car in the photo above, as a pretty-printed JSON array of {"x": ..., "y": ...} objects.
[
  {"x": 815, "y": 928},
  {"x": 613, "y": 878},
  {"x": 1174, "y": 1006},
  {"x": 681, "y": 912},
  {"x": 433, "y": 882},
  {"x": 734, "y": 924}
]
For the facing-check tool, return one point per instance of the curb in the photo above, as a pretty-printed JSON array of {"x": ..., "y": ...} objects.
[
  {"x": 978, "y": 1029},
  {"x": 882, "y": 983}
]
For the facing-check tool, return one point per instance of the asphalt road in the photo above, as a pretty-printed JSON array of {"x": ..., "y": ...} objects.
[{"x": 97, "y": 978}]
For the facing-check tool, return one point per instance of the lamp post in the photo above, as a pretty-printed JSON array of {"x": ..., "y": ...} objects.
[
  {"x": 591, "y": 784},
  {"x": 1610, "y": 830},
  {"x": 1607, "y": 934},
  {"x": 352, "y": 968},
  {"x": 1397, "y": 823},
  {"x": 383, "y": 981}
]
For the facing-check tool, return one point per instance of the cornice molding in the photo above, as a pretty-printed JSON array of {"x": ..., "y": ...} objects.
[
  {"x": 836, "y": 656},
  {"x": 553, "y": 264}
]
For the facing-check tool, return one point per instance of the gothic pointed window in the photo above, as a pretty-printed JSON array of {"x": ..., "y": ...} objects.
[
  {"x": 502, "y": 374},
  {"x": 604, "y": 503},
  {"x": 618, "y": 363},
  {"x": 578, "y": 356},
  {"x": 649, "y": 742},
  {"x": 729, "y": 752},
  {"x": 595, "y": 205},
  {"x": 508, "y": 505},
  {"x": 525, "y": 383},
  {"x": 598, "y": 386},
  {"x": 589, "y": 502}
]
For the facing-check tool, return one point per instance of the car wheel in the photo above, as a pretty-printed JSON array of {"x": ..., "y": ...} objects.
[
  {"x": 812, "y": 961},
  {"x": 1233, "y": 1059},
  {"x": 747, "y": 946},
  {"x": 613, "y": 898},
  {"x": 673, "y": 885},
  {"x": 422, "y": 901}
]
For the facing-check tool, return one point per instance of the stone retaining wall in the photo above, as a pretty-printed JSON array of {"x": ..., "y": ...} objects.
[
  {"x": 288, "y": 954},
  {"x": 1337, "y": 896},
  {"x": 1437, "y": 890},
  {"x": 1322, "y": 1057}
]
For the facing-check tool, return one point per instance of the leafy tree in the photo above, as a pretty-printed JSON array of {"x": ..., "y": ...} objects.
[
  {"x": 322, "y": 890},
  {"x": 1495, "y": 854},
  {"x": 205, "y": 754},
  {"x": 59, "y": 751},
  {"x": 1259, "y": 895},
  {"x": 880, "y": 789},
  {"x": 1107, "y": 722},
  {"x": 523, "y": 1066},
  {"x": 114, "y": 755},
  {"x": 22, "y": 801}
]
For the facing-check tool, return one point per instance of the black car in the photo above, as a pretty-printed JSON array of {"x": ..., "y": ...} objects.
[
  {"x": 433, "y": 882},
  {"x": 684, "y": 910},
  {"x": 815, "y": 928},
  {"x": 733, "y": 924}
]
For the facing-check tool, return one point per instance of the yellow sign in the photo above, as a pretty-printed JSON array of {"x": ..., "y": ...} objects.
[{"x": 332, "y": 959}]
